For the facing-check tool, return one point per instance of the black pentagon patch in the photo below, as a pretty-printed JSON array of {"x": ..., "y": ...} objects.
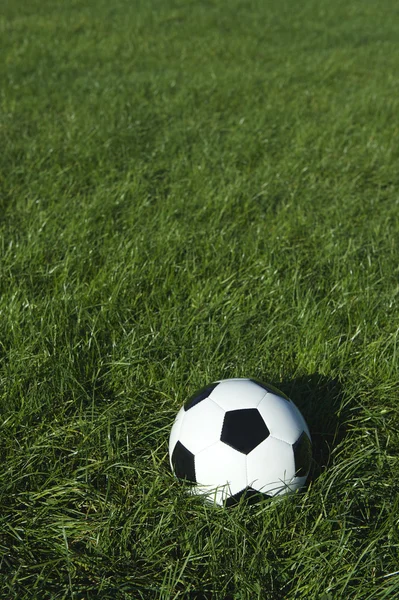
[
  {"x": 244, "y": 429},
  {"x": 183, "y": 463},
  {"x": 270, "y": 388},
  {"x": 302, "y": 455},
  {"x": 247, "y": 495},
  {"x": 199, "y": 396}
]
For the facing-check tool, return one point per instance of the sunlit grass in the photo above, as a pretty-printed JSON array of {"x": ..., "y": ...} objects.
[{"x": 190, "y": 192}]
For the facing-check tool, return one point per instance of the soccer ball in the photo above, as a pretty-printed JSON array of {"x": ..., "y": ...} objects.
[{"x": 240, "y": 437}]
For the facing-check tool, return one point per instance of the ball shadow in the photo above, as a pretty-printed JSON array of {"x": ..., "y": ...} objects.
[{"x": 319, "y": 398}]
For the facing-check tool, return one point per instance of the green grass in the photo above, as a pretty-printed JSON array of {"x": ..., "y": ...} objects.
[{"x": 191, "y": 191}]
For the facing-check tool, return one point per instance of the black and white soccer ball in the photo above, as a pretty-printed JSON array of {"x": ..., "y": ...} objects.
[{"x": 240, "y": 437}]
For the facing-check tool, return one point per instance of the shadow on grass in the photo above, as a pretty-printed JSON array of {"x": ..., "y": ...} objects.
[{"x": 319, "y": 398}]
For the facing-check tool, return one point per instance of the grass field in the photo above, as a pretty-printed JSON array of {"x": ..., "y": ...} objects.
[{"x": 190, "y": 191}]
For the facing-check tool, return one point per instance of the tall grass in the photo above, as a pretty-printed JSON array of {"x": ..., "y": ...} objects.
[{"x": 188, "y": 192}]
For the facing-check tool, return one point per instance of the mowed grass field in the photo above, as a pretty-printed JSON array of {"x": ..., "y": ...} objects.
[{"x": 191, "y": 191}]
